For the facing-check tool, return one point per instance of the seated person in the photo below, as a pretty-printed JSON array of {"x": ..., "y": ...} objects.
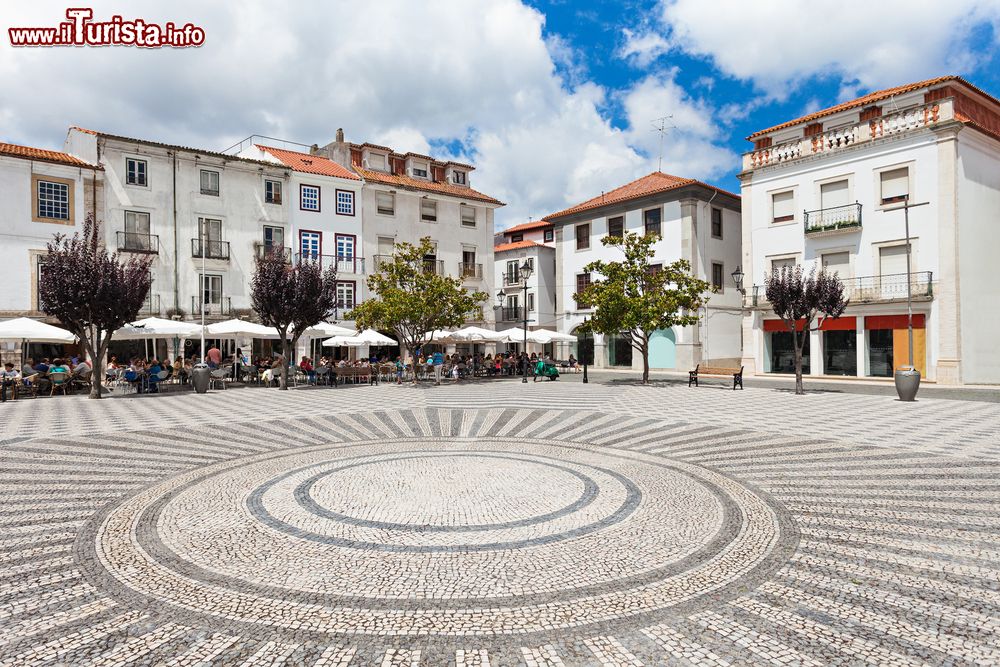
[
  {"x": 59, "y": 366},
  {"x": 42, "y": 366},
  {"x": 8, "y": 378},
  {"x": 307, "y": 368},
  {"x": 152, "y": 376}
]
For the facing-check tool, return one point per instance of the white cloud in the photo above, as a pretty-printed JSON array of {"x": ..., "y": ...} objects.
[
  {"x": 409, "y": 75},
  {"x": 779, "y": 43},
  {"x": 642, "y": 48}
]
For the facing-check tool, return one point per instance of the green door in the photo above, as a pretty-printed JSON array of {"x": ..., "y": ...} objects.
[{"x": 662, "y": 349}]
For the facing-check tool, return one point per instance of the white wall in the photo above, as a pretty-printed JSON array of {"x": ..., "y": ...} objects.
[
  {"x": 979, "y": 250},
  {"x": 542, "y": 284}
]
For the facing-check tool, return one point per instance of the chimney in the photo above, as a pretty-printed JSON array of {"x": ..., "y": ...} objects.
[
  {"x": 339, "y": 150},
  {"x": 340, "y": 135}
]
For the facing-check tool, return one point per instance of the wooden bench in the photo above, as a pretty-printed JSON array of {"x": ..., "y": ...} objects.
[{"x": 716, "y": 371}]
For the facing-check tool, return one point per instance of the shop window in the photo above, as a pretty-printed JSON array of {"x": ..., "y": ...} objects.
[
  {"x": 619, "y": 351},
  {"x": 840, "y": 352},
  {"x": 880, "y": 358},
  {"x": 783, "y": 353}
]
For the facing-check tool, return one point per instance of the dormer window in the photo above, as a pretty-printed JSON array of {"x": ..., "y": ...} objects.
[
  {"x": 458, "y": 177},
  {"x": 420, "y": 169},
  {"x": 376, "y": 161}
]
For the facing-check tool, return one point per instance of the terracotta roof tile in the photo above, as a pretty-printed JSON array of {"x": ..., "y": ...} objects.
[
  {"x": 309, "y": 164},
  {"x": 650, "y": 184},
  {"x": 424, "y": 186},
  {"x": 869, "y": 99},
  {"x": 518, "y": 245},
  {"x": 527, "y": 226},
  {"x": 30, "y": 153}
]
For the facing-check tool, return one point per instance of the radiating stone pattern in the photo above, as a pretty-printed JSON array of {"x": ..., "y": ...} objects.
[{"x": 499, "y": 525}]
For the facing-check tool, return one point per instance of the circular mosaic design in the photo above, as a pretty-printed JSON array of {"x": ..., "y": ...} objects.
[{"x": 437, "y": 536}]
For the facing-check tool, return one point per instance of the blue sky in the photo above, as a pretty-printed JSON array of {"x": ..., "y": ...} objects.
[{"x": 553, "y": 101}]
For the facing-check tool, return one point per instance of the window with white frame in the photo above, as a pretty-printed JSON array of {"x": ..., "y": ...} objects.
[
  {"x": 310, "y": 244},
  {"x": 272, "y": 192},
  {"x": 135, "y": 171},
  {"x": 837, "y": 262},
  {"x": 458, "y": 177},
  {"x": 137, "y": 230},
  {"x": 385, "y": 203},
  {"x": 420, "y": 169},
  {"x": 835, "y": 194},
  {"x": 717, "y": 276},
  {"x": 895, "y": 185},
  {"x": 531, "y": 301},
  {"x": 783, "y": 206},
  {"x": 376, "y": 161},
  {"x": 548, "y": 235},
  {"x": 345, "y": 202},
  {"x": 468, "y": 215},
  {"x": 780, "y": 263},
  {"x": 428, "y": 210},
  {"x": 274, "y": 237},
  {"x": 211, "y": 289},
  {"x": 53, "y": 200},
  {"x": 345, "y": 246},
  {"x": 345, "y": 295},
  {"x": 309, "y": 197},
  {"x": 209, "y": 182}
]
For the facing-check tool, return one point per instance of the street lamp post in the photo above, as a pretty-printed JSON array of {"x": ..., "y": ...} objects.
[
  {"x": 583, "y": 357},
  {"x": 908, "y": 380},
  {"x": 525, "y": 271}
]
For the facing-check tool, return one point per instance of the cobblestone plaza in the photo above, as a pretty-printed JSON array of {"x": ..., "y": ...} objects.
[{"x": 500, "y": 524}]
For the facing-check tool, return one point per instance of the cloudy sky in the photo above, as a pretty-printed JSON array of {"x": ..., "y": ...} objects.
[{"x": 553, "y": 101}]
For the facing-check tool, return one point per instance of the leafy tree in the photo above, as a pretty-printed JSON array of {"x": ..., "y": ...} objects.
[
  {"x": 91, "y": 292},
  {"x": 291, "y": 298},
  {"x": 799, "y": 299},
  {"x": 634, "y": 299},
  {"x": 410, "y": 299}
]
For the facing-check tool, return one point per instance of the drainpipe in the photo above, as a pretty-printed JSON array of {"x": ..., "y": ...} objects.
[{"x": 177, "y": 295}]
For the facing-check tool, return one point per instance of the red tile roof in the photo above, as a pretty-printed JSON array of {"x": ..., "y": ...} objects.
[
  {"x": 43, "y": 155},
  {"x": 518, "y": 245},
  {"x": 402, "y": 181},
  {"x": 869, "y": 99},
  {"x": 527, "y": 226},
  {"x": 651, "y": 184},
  {"x": 309, "y": 164}
]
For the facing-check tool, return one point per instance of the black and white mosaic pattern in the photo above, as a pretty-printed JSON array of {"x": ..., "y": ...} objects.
[{"x": 545, "y": 525}]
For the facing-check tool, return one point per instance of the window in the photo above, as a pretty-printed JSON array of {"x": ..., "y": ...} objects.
[
  {"x": 211, "y": 289},
  {"x": 531, "y": 301},
  {"x": 209, "y": 182},
  {"x": 651, "y": 221},
  {"x": 458, "y": 177},
  {"x": 376, "y": 161},
  {"x": 548, "y": 236},
  {"x": 516, "y": 238},
  {"x": 135, "y": 172},
  {"x": 784, "y": 263},
  {"x": 513, "y": 271},
  {"x": 53, "y": 200},
  {"x": 310, "y": 244},
  {"x": 39, "y": 270},
  {"x": 309, "y": 197},
  {"x": 345, "y": 202},
  {"x": 834, "y": 195},
  {"x": 420, "y": 170},
  {"x": 272, "y": 192},
  {"x": 345, "y": 295},
  {"x": 428, "y": 210},
  {"x": 837, "y": 262},
  {"x": 717, "y": 223},
  {"x": 895, "y": 185},
  {"x": 345, "y": 246},
  {"x": 468, "y": 215},
  {"x": 583, "y": 236},
  {"x": 274, "y": 237},
  {"x": 385, "y": 203},
  {"x": 137, "y": 231},
  {"x": 717, "y": 276},
  {"x": 582, "y": 282},
  {"x": 616, "y": 226},
  {"x": 783, "y": 206}
]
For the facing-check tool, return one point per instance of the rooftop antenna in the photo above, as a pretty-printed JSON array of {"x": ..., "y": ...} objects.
[{"x": 660, "y": 125}]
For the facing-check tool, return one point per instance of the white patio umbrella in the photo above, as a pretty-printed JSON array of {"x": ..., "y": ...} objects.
[
  {"x": 25, "y": 329},
  {"x": 237, "y": 328},
  {"x": 550, "y": 336},
  {"x": 157, "y": 327},
  {"x": 326, "y": 329},
  {"x": 516, "y": 335},
  {"x": 439, "y": 336},
  {"x": 478, "y": 335},
  {"x": 366, "y": 337}
]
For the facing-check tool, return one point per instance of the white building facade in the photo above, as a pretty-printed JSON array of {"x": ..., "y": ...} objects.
[
  {"x": 694, "y": 221},
  {"x": 827, "y": 190},
  {"x": 532, "y": 243}
]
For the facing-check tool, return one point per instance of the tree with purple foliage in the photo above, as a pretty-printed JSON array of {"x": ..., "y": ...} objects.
[
  {"x": 291, "y": 298},
  {"x": 799, "y": 299},
  {"x": 91, "y": 292}
]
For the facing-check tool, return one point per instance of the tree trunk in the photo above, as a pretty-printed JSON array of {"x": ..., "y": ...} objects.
[
  {"x": 97, "y": 369},
  {"x": 799, "y": 343},
  {"x": 645, "y": 361},
  {"x": 285, "y": 361}
]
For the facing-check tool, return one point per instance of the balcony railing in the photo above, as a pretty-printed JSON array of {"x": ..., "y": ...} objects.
[
  {"x": 476, "y": 315},
  {"x": 925, "y": 115},
  {"x": 151, "y": 306},
  {"x": 872, "y": 289},
  {"x": 379, "y": 261},
  {"x": 344, "y": 264},
  {"x": 262, "y": 250},
  {"x": 434, "y": 266},
  {"x": 219, "y": 309},
  {"x": 213, "y": 249},
  {"x": 513, "y": 280},
  {"x": 134, "y": 242},
  {"x": 470, "y": 271},
  {"x": 834, "y": 219},
  {"x": 511, "y": 314}
]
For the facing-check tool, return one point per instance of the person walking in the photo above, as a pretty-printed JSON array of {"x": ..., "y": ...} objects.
[{"x": 438, "y": 363}]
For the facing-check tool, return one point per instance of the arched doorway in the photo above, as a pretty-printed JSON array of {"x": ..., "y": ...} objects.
[
  {"x": 662, "y": 349},
  {"x": 583, "y": 348}
]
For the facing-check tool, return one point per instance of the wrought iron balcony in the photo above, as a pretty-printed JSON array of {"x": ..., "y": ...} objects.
[
  {"x": 470, "y": 271},
  {"x": 835, "y": 219},
  {"x": 871, "y": 289},
  {"x": 513, "y": 279},
  {"x": 223, "y": 307},
  {"x": 134, "y": 242},
  {"x": 214, "y": 249},
  {"x": 262, "y": 250},
  {"x": 435, "y": 266},
  {"x": 380, "y": 260},
  {"x": 511, "y": 314},
  {"x": 344, "y": 264},
  {"x": 151, "y": 306}
]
